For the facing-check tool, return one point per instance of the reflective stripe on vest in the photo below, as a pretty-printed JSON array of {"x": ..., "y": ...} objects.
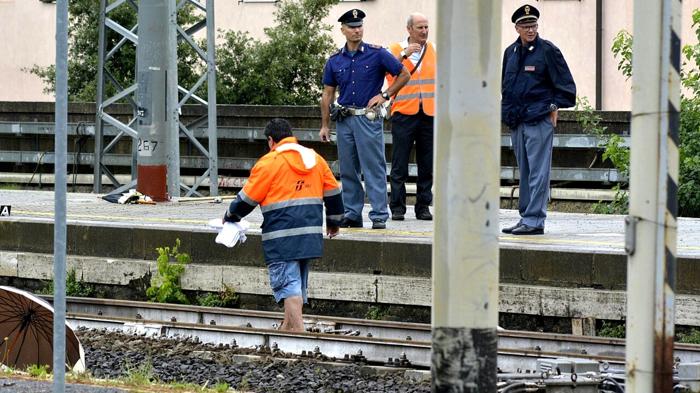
[{"x": 420, "y": 89}]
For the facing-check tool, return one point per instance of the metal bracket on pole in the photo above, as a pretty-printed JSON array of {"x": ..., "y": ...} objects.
[{"x": 630, "y": 234}]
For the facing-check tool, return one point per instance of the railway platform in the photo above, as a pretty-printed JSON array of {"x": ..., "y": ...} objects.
[{"x": 576, "y": 269}]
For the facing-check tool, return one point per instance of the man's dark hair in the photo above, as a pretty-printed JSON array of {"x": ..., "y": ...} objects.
[{"x": 278, "y": 129}]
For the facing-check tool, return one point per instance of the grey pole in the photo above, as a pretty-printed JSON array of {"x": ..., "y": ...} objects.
[
  {"x": 465, "y": 241},
  {"x": 154, "y": 145},
  {"x": 211, "y": 91},
  {"x": 651, "y": 224},
  {"x": 59, "y": 229}
]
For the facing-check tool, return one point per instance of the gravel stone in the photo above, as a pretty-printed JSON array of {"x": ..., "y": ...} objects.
[{"x": 112, "y": 355}]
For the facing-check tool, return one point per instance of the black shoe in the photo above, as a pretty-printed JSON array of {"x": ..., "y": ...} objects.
[
  {"x": 510, "y": 229},
  {"x": 527, "y": 230},
  {"x": 348, "y": 223},
  {"x": 424, "y": 215},
  {"x": 396, "y": 216},
  {"x": 378, "y": 225}
]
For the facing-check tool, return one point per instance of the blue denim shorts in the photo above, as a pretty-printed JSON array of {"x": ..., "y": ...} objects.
[{"x": 289, "y": 278}]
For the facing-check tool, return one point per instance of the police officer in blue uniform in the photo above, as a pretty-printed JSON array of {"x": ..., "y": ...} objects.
[
  {"x": 536, "y": 82},
  {"x": 358, "y": 70}
]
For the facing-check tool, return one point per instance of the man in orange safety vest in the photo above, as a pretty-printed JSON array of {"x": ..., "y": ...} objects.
[{"x": 412, "y": 112}]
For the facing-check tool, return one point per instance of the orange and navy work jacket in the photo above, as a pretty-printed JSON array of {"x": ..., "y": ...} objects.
[
  {"x": 420, "y": 90},
  {"x": 291, "y": 184}
]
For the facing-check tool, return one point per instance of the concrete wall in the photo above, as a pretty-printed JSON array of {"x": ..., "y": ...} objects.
[
  {"x": 569, "y": 24},
  {"x": 28, "y": 29}
]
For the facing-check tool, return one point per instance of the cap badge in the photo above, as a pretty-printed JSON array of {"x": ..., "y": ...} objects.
[
  {"x": 354, "y": 13},
  {"x": 527, "y": 10}
]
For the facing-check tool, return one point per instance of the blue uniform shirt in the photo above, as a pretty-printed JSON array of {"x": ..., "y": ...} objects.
[{"x": 359, "y": 76}]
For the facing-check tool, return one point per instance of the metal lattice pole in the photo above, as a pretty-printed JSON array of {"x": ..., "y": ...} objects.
[
  {"x": 465, "y": 241},
  {"x": 652, "y": 221},
  {"x": 105, "y": 78},
  {"x": 176, "y": 97}
]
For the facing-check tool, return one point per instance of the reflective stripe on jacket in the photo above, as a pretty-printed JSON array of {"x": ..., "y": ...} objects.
[
  {"x": 291, "y": 184},
  {"x": 421, "y": 87}
]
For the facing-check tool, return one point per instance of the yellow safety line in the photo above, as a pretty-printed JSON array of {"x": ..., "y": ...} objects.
[
  {"x": 117, "y": 218},
  {"x": 510, "y": 238}
]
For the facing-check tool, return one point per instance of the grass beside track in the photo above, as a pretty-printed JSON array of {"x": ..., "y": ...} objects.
[{"x": 134, "y": 382}]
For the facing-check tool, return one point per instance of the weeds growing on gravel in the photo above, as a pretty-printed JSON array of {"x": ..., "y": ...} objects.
[
  {"x": 41, "y": 372},
  {"x": 140, "y": 375},
  {"x": 227, "y": 297}
]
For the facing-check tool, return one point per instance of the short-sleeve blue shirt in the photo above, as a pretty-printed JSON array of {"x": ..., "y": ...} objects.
[{"x": 359, "y": 77}]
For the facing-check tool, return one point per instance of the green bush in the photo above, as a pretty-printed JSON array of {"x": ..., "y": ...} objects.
[
  {"x": 690, "y": 337},
  {"x": 227, "y": 297},
  {"x": 614, "y": 152},
  {"x": 689, "y": 132},
  {"x": 74, "y": 287},
  {"x": 612, "y": 329},
  {"x": 284, "y": 69},
  {"x": 165, "y": 285}
]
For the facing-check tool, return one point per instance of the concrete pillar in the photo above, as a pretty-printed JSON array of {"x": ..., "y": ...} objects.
[
  {"x": 158, "y": 170},
  {"x": 467, "y": 164},
  {"x": 651, "y": 224}
]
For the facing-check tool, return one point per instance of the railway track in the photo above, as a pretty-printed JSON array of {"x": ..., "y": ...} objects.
[{"x": 396, "y": 344}]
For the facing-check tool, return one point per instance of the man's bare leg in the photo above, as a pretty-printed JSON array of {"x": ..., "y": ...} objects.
[{"x": 293, "y": 320}]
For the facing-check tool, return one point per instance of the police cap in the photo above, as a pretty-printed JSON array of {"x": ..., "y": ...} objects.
[
  {"x": 352, "y": 18},
  {"x": 526, "y": 13}
]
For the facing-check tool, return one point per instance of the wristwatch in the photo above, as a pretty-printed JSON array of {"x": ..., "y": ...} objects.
[
  {"x": 386, "y": 96},
  {"x": 403, "y": 54},
  {"x": 553, "y": 107}
]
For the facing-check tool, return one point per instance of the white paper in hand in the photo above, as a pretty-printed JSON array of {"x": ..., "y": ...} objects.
[{"x": 230, "y": 233}]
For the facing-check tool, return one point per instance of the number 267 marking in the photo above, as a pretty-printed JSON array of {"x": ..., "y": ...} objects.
[{"x": 146, "y": 145}]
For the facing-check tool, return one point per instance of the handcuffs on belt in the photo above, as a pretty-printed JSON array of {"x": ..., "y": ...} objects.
[{"x": 339, "y": 112}]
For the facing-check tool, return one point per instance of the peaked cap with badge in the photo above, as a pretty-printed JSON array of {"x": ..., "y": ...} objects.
[
  {"x": 526, "y": 13},
  {"x": 352, "y": 18}
]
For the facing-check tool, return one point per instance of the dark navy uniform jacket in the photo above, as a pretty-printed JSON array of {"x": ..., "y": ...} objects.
[
  {"x": 533, "y": 78},
  {"x": 360, "y": 77}
]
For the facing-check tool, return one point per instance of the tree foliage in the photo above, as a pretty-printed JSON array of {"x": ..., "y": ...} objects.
[
  {"x": 284, "y": 69},
  {"x": 689, "y": 133}
]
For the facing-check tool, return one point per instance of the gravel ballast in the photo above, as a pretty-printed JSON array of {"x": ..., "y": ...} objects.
[{"x": 114, "y": 355}]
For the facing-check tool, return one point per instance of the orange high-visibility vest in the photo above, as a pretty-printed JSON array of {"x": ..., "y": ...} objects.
[{"x": 421, "y": 87}]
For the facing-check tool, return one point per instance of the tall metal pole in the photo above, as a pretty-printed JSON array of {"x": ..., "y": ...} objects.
[
  {"x": 60, "y": 169},
  {"x": 211, "y": 91},
  {"x": 651, "y": 224},
  {"x": 465, "y": 243},
  {"x": 155, "y": 145}
]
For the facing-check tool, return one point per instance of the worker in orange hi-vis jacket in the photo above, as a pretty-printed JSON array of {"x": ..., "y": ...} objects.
[
  {"x": 291, "y": 184},
  {"x": 412, "y": 115}
]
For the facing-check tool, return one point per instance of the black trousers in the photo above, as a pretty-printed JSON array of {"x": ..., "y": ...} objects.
[{"x": 405, "y": 131}]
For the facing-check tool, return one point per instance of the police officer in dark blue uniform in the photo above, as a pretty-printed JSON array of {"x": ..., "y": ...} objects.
[
  {"x": 536, "y": 82},
  {"x": 358, "y": 69}
]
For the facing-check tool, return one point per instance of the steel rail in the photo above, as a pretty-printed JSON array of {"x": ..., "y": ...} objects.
[{"x": 335, "y": 337}]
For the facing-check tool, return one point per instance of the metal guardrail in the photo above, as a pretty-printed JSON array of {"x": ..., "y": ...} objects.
[
  {"x": 566, "y": 141},
  {"x": 599, "y": 175}
]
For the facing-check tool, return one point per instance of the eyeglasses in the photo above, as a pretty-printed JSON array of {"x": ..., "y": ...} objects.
[{"x": 528, "y": 27}]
